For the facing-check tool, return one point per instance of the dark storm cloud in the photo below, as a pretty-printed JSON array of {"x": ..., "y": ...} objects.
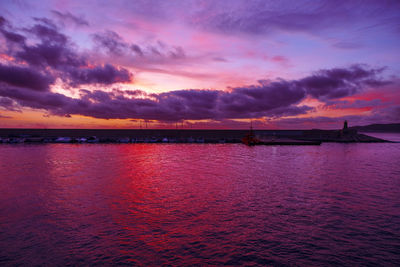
[
  {"x": 12, "y": 37},
  {"x": 107, "y": 74},
  {"x": 53, "y": 56},
  {"x": 257, "y": 99},
  {"x": 48, "y": 33},
  {"x": 194, "y": 104},
  {"x": 8, "y": 34},
  {"x": 25, "y": 77},
  {"x": 288, "y": 111},
  {"x": 341, "y": 82},
  {"x": 267, "y": 99},
  {"x": 34, "y": 99},
  {"x": 67, "y": 17},
  {"x": 53, "y": 49}
]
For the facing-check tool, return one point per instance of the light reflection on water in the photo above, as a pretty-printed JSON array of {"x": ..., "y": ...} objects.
[{"x": 184, "y": 204}]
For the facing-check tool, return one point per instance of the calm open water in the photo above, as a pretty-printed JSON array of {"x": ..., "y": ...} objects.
[{"x": 204, "y": 204}]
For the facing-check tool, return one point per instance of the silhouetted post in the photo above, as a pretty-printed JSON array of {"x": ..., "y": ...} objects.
[{"x": 345, "y": 130}]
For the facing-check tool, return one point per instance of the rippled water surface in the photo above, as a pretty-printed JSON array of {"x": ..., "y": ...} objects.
[{"x": 188, "y": 204}]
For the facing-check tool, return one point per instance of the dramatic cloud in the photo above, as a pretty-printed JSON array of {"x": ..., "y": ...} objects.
[
  {"x": 25, "y": 77},
  {"x": 46, "y": 54},
  {"x": 189, "y": 104},
  {"x": 54, "y": 56},
  {"x": 12, "y": 37},
  {"x": 273, "y": 99},
  {"x": 256, "y": 100},
  {"x": 340, "y": 82},
  {"x": 48, "y": 32},
  {"x": 106, "y": 74}
]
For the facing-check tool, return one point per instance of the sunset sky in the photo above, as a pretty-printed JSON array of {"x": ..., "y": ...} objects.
[{"x": 199, "y": 63}]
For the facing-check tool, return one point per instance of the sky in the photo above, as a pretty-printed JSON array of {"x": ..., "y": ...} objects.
[{"x": 199, "y": 64}]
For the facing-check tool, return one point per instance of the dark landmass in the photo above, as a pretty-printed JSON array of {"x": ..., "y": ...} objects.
[
  {"x": 383, "y": 128},
  {"x": 270, "y": 137}
]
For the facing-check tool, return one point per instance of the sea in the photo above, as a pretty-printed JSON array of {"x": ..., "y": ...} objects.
[{"x": 200, "y": 204}]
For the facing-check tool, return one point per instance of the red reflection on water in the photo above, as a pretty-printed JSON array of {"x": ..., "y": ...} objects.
[{"x": 169, "y": 200}]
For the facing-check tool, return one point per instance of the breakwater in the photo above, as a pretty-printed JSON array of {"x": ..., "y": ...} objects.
[{"x": 175, "y": 136}]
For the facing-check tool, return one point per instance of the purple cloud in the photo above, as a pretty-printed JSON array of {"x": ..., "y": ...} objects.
[
  {"x": 288, "y": 111},
  {"x": 8, "y": 34},
  {"x": 135, "y": 48},
  {"x": 113, "y": 44},
  {"x": 25, "y": 77},
  {"x": 12, "y": 37},
  {"x": 67, "y": 17},
  {"x": 35, "y": 99},
  {"x": 340, "y": 82},
  {"x": 255, "y": 100},
  {"x": 48, "y": 33},
  {"x": 193, "y": 104},
  {"x": 43, "y": 54},
  {"x": 267, "y": 99},
  {"x": 54, "y": 56},
  {"x": 54, "y": 49},
  {"x": 107, "y": 74},
  {"x": 8, "y": 104},
  {"x": 264, "y": 17}
]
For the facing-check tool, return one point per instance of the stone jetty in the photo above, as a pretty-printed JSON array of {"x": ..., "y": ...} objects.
[{"x": 16, "y": 136}]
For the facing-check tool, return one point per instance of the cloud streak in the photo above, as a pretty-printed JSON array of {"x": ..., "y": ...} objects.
[{"x": 67, "y": 17}]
